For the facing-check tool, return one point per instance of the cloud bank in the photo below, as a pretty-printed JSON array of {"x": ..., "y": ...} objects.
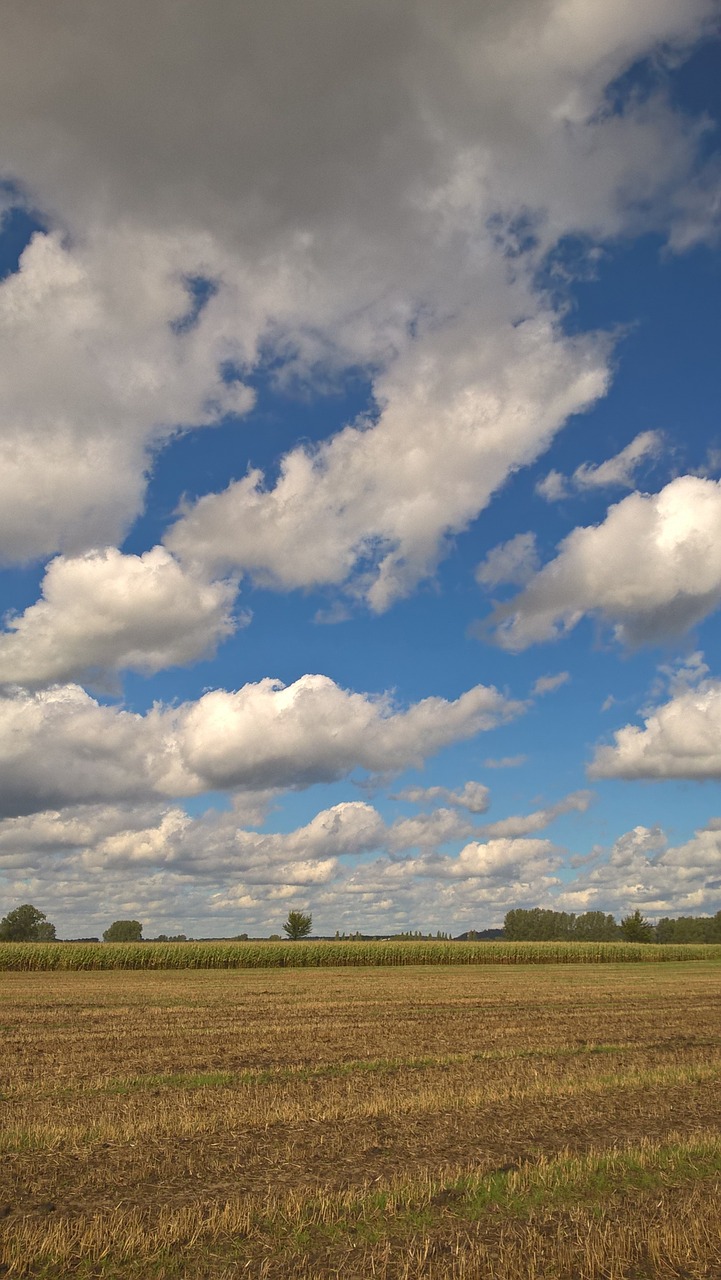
[{"x": 61, "y": 747}]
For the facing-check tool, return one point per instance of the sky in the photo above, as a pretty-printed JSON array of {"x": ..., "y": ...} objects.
[{"x": 360, "y": 483}]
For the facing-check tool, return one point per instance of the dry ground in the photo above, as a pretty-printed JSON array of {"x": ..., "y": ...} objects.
[{"x": 526, "y": 1122}]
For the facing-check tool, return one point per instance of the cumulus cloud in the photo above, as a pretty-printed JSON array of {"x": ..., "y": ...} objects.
[
  {"x": 552, "y": 487},
  {"x": 96, "y": 375},
  {"x": 305, "y": 190},
  {"x": 104, "y": 611},
  {"x": 216, "y": 844},
  {"x": 682, "y": 673},
  {"x": 514, "y": 561},
  {"x": 618, "y": 471},
  {"x": 461, "y": 412},
  {"x": 310, "y": 731},
  {"x": 643, "y": 871},
  {"x": 428, "y": 830},
  {"x": 159, "y": 862},
  {"x": 525, "y": 824},
  {"x": 420, "y": 82},
  {"x": 621, "y": 469},
  {"x": 376, "y": 232},
  {"x": 679, "y": 739},
  {"x": 61, "y": 747},
  {"x": 472, "y": 796},
  {"x": 671, "y": 582},
  {"x": 93, "y": 863},
  {"x": 505, "y": 858}
]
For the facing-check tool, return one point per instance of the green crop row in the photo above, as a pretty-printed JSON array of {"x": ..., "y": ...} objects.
[{"x": 302, "y": 955}]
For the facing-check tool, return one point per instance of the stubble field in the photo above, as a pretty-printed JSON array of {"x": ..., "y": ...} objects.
[{"x": 524, "y": 1122}]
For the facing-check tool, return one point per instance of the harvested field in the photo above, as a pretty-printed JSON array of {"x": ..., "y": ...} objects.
[{"x": 452, "y": 1123}]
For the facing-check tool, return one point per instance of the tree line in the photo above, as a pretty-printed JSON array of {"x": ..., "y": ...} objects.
[
  {"x": 539, "y": 925},
  {"x": 28, "y": 924}
]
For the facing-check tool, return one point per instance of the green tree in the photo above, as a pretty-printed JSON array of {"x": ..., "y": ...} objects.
[
  {"x": 45, "y": 932},
  {"x": 26, "y": 924},
  {"x": 538, "y": 925},
  {"x": 635, "y": 929},
  {"x": 298, "y": 925},
  {"x": 594, "y": 926},
  {"x": 124, "y": 931}
]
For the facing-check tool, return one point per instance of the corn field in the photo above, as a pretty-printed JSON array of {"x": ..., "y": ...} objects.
[{"x": 25, "y": 956}]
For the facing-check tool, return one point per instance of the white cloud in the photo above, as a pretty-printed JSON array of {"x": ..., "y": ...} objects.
[
  {"x": 461, "y": 412},
  {"x": 95, "y": 376},
  {"x": 105, "y": 611},
  {"x": 682, "y": 673},
  {"x": 370, "y": 233},
  {"x": 513, "y": 561},
  {"x": 211, "y": 874},
  {"x": 428, "y": 830},
  {"x": 472, "y": 796},
  {"x": 642, "y": 871},
  {"x": 670, "y": 582},
  {"x": 621, "y": 469},
  {"x": 524, "y": 824},
  {"x": 505, "y": 762},
  {"x": 552, "y": 487},
  {"x": 101, "y": 861},
  {"x": 217, "y": 845},
  {"x": 28, "y": 842},
  {"x": 61, "y": 747},
  {"x": 268, "y": 735},
  {"x": 506, "y": 858},
  {"x": 549, "y": 684},
  {"x": 618, "y": 471},
  {"x": 679, "y": 739}
]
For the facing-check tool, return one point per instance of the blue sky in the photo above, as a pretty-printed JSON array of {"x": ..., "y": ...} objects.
[{"x": 360, "y": 513}]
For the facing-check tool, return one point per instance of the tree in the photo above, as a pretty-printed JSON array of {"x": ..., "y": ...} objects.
[
  {"x": 538, "y": 925},
  {"x": 594, "y": 926},
  {"x": 45, "y": 932},
  {"x": 635, "y": 929},
  {"x": 298, "y": 925},
  {"x": 26, "y": 924},
  {"x": 124, "y": 931}
]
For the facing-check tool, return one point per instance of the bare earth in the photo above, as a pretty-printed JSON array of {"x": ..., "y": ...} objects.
[{"x": 525, "y": 1122}]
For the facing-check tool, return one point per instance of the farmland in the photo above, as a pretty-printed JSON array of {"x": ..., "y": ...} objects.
[
  {"x": 450, "y": 1122},
  {"x": 310, "y": 955}
]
